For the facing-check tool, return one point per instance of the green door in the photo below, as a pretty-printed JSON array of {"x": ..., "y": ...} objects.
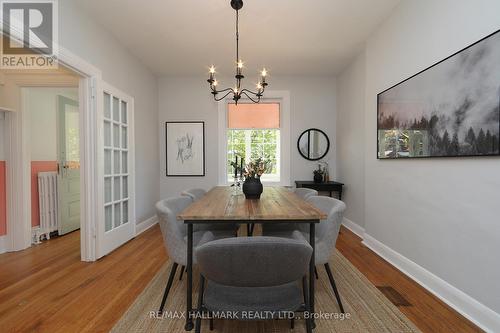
[{"x": 68, "y": 165}]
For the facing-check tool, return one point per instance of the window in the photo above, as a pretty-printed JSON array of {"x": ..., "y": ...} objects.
[{"x": 253, "y": 131}]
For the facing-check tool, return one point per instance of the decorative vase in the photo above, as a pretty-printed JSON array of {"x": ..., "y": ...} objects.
[
  {"x": 252, "y": 188},
  {"x": 318, "y": 178}
]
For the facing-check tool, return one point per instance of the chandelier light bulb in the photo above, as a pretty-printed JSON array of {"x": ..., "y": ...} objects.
[
  {"x": 240, "y": 64},
  {"x": 212, "y": 69},
  {"x": 215, "y": 83},
  {"x": 264, "y": 72}
]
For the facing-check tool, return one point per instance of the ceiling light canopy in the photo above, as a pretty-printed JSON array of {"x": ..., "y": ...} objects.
[{"x": 237, "y": 91}]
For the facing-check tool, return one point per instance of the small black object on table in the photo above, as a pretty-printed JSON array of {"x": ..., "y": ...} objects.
[{"x": 322, "y": 187}]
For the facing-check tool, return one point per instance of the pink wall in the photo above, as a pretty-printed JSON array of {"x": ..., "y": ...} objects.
[
  {"x": 3, "y": 200},
  {"x": 36, "y": 167}
]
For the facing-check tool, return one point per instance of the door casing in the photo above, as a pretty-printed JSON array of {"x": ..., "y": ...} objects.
[{"x": 18, "y": 170}]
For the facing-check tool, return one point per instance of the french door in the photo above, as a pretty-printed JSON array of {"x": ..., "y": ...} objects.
[{"x": 116, "y": 223}]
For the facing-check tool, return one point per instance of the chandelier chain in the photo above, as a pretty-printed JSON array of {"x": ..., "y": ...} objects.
[{"x": 237, "y": 37}]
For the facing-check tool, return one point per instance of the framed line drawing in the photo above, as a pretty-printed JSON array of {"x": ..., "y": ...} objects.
[{"x": 185, "y": 148}]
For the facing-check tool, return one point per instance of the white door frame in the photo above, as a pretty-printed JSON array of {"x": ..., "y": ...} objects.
[{"x": 18, "y": 170}]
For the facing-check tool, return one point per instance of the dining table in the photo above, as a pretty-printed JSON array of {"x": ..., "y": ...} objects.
[{"x": 224, "y": 204}]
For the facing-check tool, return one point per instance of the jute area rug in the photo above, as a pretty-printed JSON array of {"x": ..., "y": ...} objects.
[{"x": 367, "y": 309}]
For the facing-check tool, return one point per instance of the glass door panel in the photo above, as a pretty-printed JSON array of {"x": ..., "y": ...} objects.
[{"x": 116, "y": 161}]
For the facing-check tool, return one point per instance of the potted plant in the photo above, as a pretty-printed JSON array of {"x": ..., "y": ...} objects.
[
  {"x": 318, "y": 175},
  {"x": 252, "y": 187}
]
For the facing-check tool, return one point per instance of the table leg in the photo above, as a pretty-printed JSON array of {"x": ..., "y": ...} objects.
[
  {"x": 312, "y": 266},
  {"x": 340, "y": 194},
  {"x": 189, "y": 296}
]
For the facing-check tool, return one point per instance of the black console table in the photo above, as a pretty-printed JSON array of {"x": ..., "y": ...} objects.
[{"x": 325, "y": 186}]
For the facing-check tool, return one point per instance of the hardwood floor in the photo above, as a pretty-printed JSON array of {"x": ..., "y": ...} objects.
[
  {"x": 427, "y": 312},
  {"x": 48, "y": 289}
]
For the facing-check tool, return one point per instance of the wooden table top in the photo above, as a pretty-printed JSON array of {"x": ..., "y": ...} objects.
[{"x": 276, "y": 203}]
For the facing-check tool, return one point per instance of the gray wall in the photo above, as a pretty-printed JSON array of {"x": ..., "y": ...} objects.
[
  {"x": 86, "y": 38},
  {"x": 442, "y": 214},
  {"x": 312, "y": 104},
  {"x": 40, "y": 104},
  {"x": 351, "y": 138}
]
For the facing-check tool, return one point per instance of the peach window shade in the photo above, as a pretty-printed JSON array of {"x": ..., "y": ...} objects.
[{"x": 264, "y": 115}]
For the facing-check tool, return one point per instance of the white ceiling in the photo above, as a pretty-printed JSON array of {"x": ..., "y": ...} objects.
[{"x": 290, "y": 37}]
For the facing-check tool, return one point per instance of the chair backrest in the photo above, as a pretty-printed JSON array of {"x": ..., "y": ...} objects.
[
  {"x": 172, "y": 229},
  {"x": 328, "y": 230},
  {"x": 305, "y": 193},
  {"x": 194, "y": 193},
  {"x": 254, "y": 261}
]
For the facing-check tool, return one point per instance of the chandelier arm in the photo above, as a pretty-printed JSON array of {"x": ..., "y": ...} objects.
[
  {"x": 250, "y": 98},
  {"x": 253, "y": 93},
  {"x": 223, "y": 90},
  {"x": 220, "y": 99}
]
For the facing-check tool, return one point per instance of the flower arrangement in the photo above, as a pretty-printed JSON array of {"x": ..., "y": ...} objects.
[
  {"x": 257, "y": 168},
  {"x": 319, "y": 174}
]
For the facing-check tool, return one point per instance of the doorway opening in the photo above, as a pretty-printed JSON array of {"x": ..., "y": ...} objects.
[
  {"x": 97, "y": 236},
  {"x": 39, "y": 155},
  {"x": 52, "y": 117}
]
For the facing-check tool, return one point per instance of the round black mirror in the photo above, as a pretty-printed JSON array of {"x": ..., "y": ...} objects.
[{"x": 313, "y": 144}]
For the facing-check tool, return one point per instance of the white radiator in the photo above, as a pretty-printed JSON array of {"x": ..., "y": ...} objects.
[{"x": 47, "y": 196}]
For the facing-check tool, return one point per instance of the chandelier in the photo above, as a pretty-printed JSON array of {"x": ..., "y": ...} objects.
[{"x": 237, "y": 91}]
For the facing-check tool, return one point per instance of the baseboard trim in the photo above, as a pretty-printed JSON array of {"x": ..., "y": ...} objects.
[
  {"x": 145, "y": 225},
  {"x": 354, "y": 227},
  {"x": 3, "y": 244},
  {"x": 476, "y": 312}
]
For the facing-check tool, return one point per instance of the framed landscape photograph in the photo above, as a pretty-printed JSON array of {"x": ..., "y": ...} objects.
[
  {"x": 185, "y": 148},
  {"x": 450, "y": 109}
]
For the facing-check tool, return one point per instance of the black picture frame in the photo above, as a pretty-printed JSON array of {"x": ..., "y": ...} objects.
[
  {"x": 417, "y": 74},
  {"x": 166, "y": 149},
  {"x": 308, "y": 131}
]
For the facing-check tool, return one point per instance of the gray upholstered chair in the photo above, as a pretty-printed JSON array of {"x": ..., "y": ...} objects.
[
  {"x": 194, "y": 193},
  {"x": 174, "y": 234},
  {"x": 253, "y": 274},
  {"x": 326, "y": 234},
  {"x": 304, "y": 193}
]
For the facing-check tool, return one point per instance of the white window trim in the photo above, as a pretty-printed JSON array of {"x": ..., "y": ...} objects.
[{"x": 280, "y": 96}]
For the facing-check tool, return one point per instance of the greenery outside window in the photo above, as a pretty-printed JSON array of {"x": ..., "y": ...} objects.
[{"x": 253, "y": 132}]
